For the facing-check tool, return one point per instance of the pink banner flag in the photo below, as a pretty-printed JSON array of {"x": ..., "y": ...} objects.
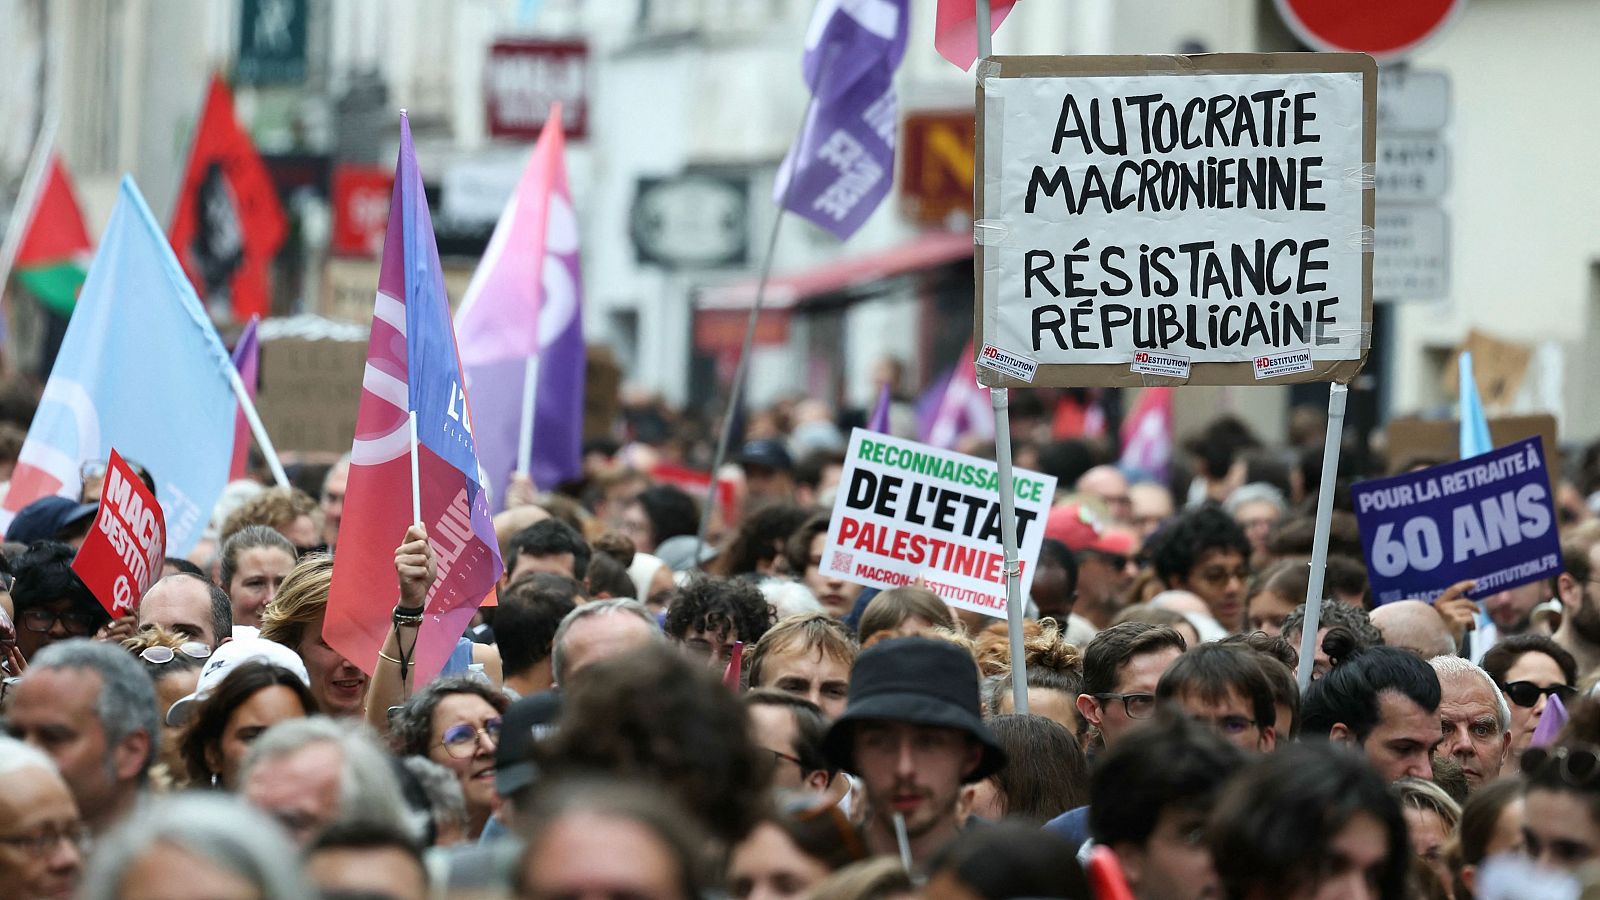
[
  {"x": 247, "y": 359},
  {"x": 412, "y": 368},
  {"x": 955, "y": 28}
]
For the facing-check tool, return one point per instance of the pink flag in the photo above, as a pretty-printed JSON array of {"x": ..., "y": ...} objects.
[
  {"x": 963, "y": 409},
  {"x": 247, "y": 359},
  {"x": 521, "y": 312},
  {"x": 412, "y": 368},
  {"x": 879, "y": 421},
  {"x": 1147, "y": 434},
  {"x": 955, "y": 29}
]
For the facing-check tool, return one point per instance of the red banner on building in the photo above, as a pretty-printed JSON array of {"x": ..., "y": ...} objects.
[
  {"x": 524, "y": 77},
  {"x": 124, "y": 552},
  {"x": 360, "y": 208}
]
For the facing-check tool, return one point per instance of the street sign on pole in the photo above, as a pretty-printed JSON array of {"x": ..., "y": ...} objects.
[
  {"x": 1412, "y": 100},
  {"x": 1411, "y": 169}
]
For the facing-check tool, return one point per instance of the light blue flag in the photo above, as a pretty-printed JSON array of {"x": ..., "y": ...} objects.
[
  {"x": 1474, "y": 427},
  {"x": 141, "y": 369}
]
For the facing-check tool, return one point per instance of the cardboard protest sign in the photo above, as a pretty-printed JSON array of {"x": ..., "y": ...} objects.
[
  {"x": 124, "y": 552},
  {"x": 906, "y": 510},
  {"x": 1161, "y": 219},
  {"x": 1410, "y": 440},
  {"x": 1489, "y": 518}
]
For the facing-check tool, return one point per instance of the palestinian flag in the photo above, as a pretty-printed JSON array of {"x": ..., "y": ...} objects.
[
  {"x": 228, "y": 223},
  {"x": 54, "y": 254}
]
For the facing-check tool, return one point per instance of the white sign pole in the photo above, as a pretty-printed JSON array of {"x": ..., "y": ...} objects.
[
  {"x": 1001, "y": 400},
  {"x": 1337, "y": 394}
]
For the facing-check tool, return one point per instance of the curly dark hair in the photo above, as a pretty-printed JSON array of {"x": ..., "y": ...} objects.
[
  {"x": 761, "y": 538},
  {"x": 655, "y": 716},
  {"x": 1179, "y": 546},
  {"x": 413, "y": 730},
  {"x": 735, "y": 608}
]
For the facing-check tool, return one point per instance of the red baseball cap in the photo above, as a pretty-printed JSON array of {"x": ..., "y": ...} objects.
[{"x": 1077, "y": 526}]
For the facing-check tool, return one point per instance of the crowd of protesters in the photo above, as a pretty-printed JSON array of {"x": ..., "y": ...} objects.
[{"x": 645, "y": 716}]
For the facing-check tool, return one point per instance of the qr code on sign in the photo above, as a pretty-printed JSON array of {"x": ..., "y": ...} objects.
[{"x": 843, "y": 562}]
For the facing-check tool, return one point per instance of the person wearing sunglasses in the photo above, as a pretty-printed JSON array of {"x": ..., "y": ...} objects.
[
  {"x": 1530, "y": 669},
  {"x": 1561, "y": 825},
  {"x": 52, "y": 603},
  {"x": 455, "y": 721}
]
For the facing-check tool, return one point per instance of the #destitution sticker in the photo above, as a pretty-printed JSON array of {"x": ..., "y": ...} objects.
[
  {"x": 1161, "y": 364},
  {"x": 1007, "y": 363},
  {"x": 1276, "y": 364}
]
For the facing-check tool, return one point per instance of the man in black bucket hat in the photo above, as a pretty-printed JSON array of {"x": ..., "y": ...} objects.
[{"x": 913, "y": 734}]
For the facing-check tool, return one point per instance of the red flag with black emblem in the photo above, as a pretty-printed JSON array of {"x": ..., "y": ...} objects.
[{"x": 228, "y": 223}]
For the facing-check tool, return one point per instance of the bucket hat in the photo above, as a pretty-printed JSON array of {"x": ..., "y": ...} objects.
[{"x": 916, "y": 680}]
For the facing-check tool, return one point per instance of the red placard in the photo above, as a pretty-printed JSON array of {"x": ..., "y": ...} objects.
[
  {"x": 1386, "y": 29},
  {"x": 360, "y": 208},
  {"x": 524, "y": 76},
  {"x": 123, "y": 554}
]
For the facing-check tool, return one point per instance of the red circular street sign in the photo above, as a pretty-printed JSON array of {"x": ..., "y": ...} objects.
[{"x": 1387, "y": 29}]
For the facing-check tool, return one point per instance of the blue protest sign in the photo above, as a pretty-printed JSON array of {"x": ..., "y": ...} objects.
[{"x": 1488, "y": 518}]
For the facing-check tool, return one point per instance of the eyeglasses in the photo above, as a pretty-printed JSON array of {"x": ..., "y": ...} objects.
[
  {"x": 160, "y": 656},
  {"x": 96, "y": 468},
  {"x": 1232, "y": 725},
  {"x": 786, "y": 757},
  {"x": 1221, "y": 575},
  {"x": 1526, "y": 693},
  {"x": 45, "y": 840},
  {"x": 461, "y": 741},
  {"x": 42, "y": 620},
  {"x": 1577, "y": 766},
  {"x": 1137, "y": 706}
]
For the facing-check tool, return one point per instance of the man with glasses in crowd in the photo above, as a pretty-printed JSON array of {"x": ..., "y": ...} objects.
[
  {"x": 1103, "y": 557},
  {"x": 41, "y": 836},
  {"x": 1206, "y": 553},
  {"x": 1122, "y": 667},
  {"x": 1225, "y": 687}
]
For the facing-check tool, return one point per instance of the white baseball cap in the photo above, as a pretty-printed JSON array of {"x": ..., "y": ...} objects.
[{"x": 224, "y": 660}]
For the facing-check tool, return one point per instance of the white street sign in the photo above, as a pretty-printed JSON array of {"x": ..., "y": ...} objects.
[
  {"x": 1412, "y": 169},
  {"x": 1411, "y": 253}
]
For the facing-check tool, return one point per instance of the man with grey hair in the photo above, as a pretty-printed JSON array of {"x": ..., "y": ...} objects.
[
  {"x": 1416, "y": 626},
  {"x": 1474, "y": 718},
  {"x": 191, "y": 606},
  {"x": 41, "y": 836},
  {"x": 314, "y": 772},
  {"x": 92, "y": 709},
  {"x": 599, "y": 630}
]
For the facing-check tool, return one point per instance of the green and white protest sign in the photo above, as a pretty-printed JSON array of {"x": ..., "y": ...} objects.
[{"x": 906, "y": 510}]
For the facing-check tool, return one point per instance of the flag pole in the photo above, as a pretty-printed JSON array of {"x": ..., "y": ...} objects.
[
  {"x": 1337, "y": 394},
  {"x": 743, "y": 370},
  {"x": 1000, "y": 399},
  {"x": 416, "y": 482},
  {"x": 530, "y": 387},
  {"x": 256, "y": 428}
]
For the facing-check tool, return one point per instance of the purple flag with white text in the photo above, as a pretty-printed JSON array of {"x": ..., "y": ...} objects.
[{"x": 842, "y": 165}]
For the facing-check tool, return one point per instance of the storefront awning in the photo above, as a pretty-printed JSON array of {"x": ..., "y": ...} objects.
[{"x": 787, "y": 290}]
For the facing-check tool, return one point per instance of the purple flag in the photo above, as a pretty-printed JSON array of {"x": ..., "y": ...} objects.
[
  {"x": 524, "y": 308},
  {"x": 247, "y": 359},
  {"x": 842, "y": 165},
  {"x": 1551, "y": 721},
  {"x": 880, "y": 413}
]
